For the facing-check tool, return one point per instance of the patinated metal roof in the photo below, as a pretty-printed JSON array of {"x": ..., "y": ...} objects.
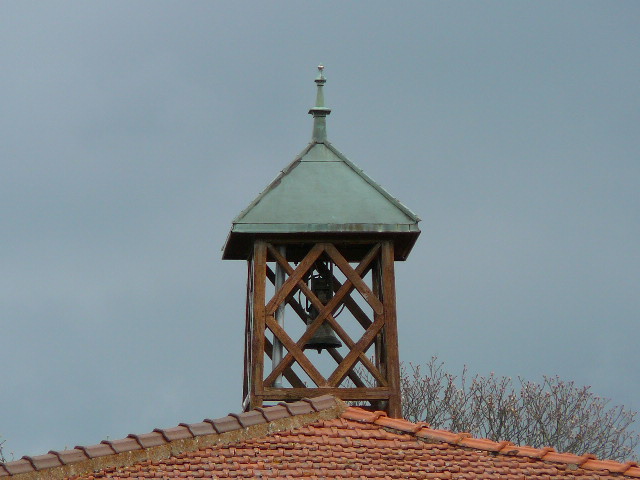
[{"x": 322, "y": 192}]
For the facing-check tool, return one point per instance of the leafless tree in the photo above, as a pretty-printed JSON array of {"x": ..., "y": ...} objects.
[{"x": 554, "y": 413}]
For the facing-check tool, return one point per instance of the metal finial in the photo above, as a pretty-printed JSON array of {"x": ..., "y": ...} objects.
[
  {"x": 320, "y": 78},
  {"x": 320, "y": 112}
]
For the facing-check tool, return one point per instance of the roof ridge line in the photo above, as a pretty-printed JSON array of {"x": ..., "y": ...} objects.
[
  {"x": 276, "y": 180},
  {"x": 164, "y": 443},
  {"x": 422, "y": 430},
  {"x": 397, "y": 203}
]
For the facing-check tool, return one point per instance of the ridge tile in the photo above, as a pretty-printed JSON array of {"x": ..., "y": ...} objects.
[
  {"x": 225, "y": 424},
  {"x": 47, "y": 460},
  {"x": 322, "y": 402},
  {"x": 200, "y": 428},
  {"x": 99, "y": 450},
  {"x": 360, "y": 415},
  {"x": 248, "y": 419},
  {"x": 275, "y": 412},
  {"x": 398, "y": 424},
  {"x": 69, "y": 456},
  {"x": 19, "y": 466},
  {"x": 174, "y": 433},
  {"x": 123, "y": 444},
  {"x": 297, "y": 408},
  {"x": 148, "y": 440}
]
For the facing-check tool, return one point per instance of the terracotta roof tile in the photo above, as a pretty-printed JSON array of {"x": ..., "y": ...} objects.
[
  {"x": 200, "y": 428},
  {"x": 298, "y": 408},
  {"x": 94, "y": 451},
  {"x": 613, "y": 467},
  {"x": 123, "y": 445},
  {"x": 327, "y": 441},
  {"x": 398, "y": 424},
  {"x": 248, "y": 419},
  {"x": 224, "y": 424},
  {"x": 174, "y": 433},
  {"x": 361, "y": 415},
  {"x": 69, "y": 456},
  {"x": 320, "y": 403},
  {"x": 274, "y": 413},
  {"x": 47, "y": 460},
  {"x": 147, "y": 440},
  {"x": 484, "y": 444},
  {"x": 19, "y": 466}
]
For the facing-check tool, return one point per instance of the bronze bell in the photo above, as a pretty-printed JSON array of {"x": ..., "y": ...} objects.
[{"x": 324, "y": 337}]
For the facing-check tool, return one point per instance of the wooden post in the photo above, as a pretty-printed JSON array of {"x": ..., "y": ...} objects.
[
  {"x": 391, "y": 329},
  {"x": 377, "y": 291},
  {"x": 257, "y": 341}
]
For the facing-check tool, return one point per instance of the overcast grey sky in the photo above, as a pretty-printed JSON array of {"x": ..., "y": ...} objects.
[{"x": 132, "y": 133}]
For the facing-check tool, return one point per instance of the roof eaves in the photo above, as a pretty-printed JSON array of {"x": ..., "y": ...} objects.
[{"x": 164, "y": 443}]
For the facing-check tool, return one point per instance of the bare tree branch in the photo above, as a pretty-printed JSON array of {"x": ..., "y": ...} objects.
[
  {"x": 553, "y": 413},
  {"x": 2, "y": 457}
]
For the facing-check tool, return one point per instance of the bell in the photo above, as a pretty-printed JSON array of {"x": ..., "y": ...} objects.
[{"x": 323, "y": 338}]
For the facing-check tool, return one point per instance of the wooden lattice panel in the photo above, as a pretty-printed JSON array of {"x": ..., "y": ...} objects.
[{"x": 379, "y": 328}]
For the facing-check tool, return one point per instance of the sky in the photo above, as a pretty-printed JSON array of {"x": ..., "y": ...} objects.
[{"x": 132, "y": 133}]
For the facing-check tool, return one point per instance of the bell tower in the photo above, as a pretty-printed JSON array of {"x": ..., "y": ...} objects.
[{"x": 320, "y": 244}]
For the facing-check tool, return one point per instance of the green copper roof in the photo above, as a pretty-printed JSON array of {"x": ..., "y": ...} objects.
[{"x": 322, "y": 192}]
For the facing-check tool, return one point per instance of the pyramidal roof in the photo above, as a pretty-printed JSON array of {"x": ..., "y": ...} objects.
[{"x": 322, "y": 192}]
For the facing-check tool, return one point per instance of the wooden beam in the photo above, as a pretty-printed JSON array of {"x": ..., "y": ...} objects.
[
  {"x": 289, "y": 357},
  {"x": 302, "y": 285},
  {"x": 374, "y": 393},
  {"x": 391, "y": 329},
  {"x": 362, "y": 270},
  {"x": 380, "y": 359},
  {"x": 257, "y": 340},
  {"x": 360, "y": 352},
  {"x": 289, "y": 374},
  {"x": 294, "y": 275},
  {"x": 295, "y": 351},
  {"x": 353, "y": 376},
  {"x": 357, "y": 351},
  {"x": 354, "y": 277},
  {"x": 290, "y": 300}
]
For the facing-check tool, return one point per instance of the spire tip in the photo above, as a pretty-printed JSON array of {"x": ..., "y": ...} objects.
[
  {"x": 320, "y": 79},
  {"x": 320, "y": 112}
]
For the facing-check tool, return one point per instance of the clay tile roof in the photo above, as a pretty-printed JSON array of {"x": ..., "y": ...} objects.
[{"x": 311, "y": 439}]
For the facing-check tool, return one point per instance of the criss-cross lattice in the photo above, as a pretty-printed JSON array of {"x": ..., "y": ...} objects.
[
  {"x": 295, "y": 281},
  {"x": 379, "y": 326}
]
